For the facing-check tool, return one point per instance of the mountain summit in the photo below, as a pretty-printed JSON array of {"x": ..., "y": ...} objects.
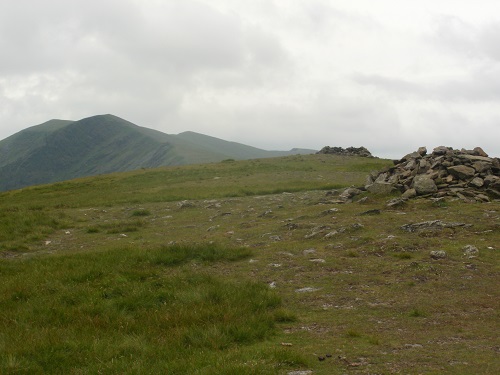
[{"x": 59, "y": 150}]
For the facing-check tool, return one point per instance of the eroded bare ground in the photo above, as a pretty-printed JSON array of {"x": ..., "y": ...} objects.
[{"x": 365, "y": 291}]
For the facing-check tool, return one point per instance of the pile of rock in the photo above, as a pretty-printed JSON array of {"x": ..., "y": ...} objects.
[
  {"x": 349, "y": 151},
  {"x": 466, "y": 174}
]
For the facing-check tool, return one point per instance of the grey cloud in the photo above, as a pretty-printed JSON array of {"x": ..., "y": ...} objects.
[
  {"x": 400, "y": 87},
  {"x": 464, "y": 39},
  {"x": 479, "y": 86}
]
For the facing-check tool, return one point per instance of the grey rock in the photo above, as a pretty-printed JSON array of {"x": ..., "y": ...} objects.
[
  {"x": 432, "y": 224},
  {"x": 319, "y": 260},
  {"x": 494, "y": 193},
  {"x": 438, "y": 254},
  {"x": 185, "y": 204},
  {"x": 480, "y": 152},
  {"x": 408, "y": 194},
  {"x": 350, "y": 193},
  {"x": 424, "y": 185},
  {"x": 477, "y": 182},
  {"x": 482, "y": 198},
  {"x": 381, "y": 178},
  {"x": 422, "y": 151},
  {"x": 462, "y": 171},
  {"x": 371, "y": 212},
  {"x": 491, "y": 181},
  {"x": 481, "y": 166},
  {"x": 396, "y": 202},
  {"x": 441, "y": 150},
  {"x": 471, "y": 250},
  {"x": 473, "y": 158},
  {"x": 306, "y": 290},
  {"x": 381, "y": 188}
]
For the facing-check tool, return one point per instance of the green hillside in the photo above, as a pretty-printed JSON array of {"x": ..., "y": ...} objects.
[
  {"x": 21, "y": 144},
  {"x": 61, "y": 150},
  {"x": 244, "y": 267}
]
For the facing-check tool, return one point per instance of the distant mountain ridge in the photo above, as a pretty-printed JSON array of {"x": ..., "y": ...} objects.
[{"x": 60, "y": 150}]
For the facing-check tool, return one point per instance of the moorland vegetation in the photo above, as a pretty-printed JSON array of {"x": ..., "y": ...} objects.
[{"x": 245, "y": 267}]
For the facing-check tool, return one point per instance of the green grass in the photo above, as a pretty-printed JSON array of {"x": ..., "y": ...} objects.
[{"x": 129, "y": 310}]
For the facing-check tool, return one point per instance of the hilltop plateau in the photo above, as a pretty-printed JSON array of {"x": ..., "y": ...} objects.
[{"x": 265, "y": 266}]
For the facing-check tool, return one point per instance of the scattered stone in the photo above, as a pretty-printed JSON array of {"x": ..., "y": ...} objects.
[
  {"x": 266, "y": 213},
  {"x": 317, "y": 260},
  {"x": 185, "y": 204},
  {"x": 291, "y": 226},
  {"x": 306, "y": 290},
  {"x": 307, "y": 372},
  {"x": 471, "y": 251},
  {"x": 414, "y": 346},
  {"x": 329, "y": 212},
  {"x": 438, "y": 254},
  {"x": 396, "y": 202},
  {"x": 350, "y": 193},
  {"x": 309, "y": 251},
  {"x": 371, "y": 212},
  {"x": 433, "y": 224},
  {"x": 275, "y": 238},
  {"x": 272, "y": 285}
]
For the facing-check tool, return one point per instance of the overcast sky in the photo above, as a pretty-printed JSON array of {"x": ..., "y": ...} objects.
[{"x": 390, "y": 75}]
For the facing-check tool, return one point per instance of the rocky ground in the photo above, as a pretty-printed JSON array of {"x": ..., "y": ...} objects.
[{"x": 407, "y": 288}]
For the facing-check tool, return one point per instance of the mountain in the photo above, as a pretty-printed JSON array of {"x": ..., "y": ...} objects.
[{"x": 59, "y": 150}]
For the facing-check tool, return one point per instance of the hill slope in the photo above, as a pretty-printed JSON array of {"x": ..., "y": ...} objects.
[{"x": 60, "y": 150}]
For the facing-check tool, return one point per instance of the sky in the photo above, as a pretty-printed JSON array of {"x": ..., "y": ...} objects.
[{"x": 389, "y": 75}]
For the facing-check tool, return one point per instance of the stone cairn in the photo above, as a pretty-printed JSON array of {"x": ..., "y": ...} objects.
[
  {"x": 466, "y": 174},
  {"x": 349, "y": 151}
]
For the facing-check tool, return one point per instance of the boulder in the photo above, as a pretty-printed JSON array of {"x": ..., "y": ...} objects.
[
  {"x": 410, "y": 193},
  {"x": 423, "y": 185},
  {"x": 441, "y": 150},
  {"x": 480, "y": 152},
  {"x": 477, "y": 182},
  {"x": 462, "y": 172},
  {"x": 438, "y": 254},
  {"x": 381, "y": 188}
]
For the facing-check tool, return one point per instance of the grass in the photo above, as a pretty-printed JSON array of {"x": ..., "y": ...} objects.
[
  {"x": 303, "y": 269},
  {"x": 129, "y": 310}
]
